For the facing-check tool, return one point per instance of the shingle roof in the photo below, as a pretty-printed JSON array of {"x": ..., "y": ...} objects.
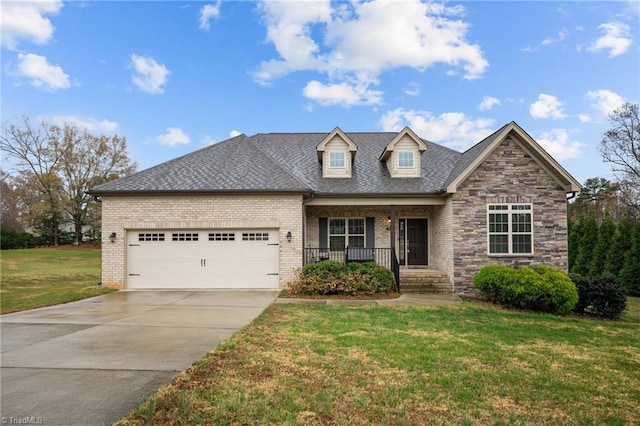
[
  {"x": 232, "y": 165},
  {"x": 288, "y": 162}
]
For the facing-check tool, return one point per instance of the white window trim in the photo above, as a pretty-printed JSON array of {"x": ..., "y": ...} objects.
[
  {"x": 510, "y": 232},
  {"x": 344, "y": 160},
  {"x": 346, "y": 235},
  {"x": 413, "y": 159}
]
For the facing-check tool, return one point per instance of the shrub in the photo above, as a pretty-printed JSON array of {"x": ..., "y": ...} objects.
[
  {"x": 335, "y": 278},
  {"x": 603, "y": 296},
  {"x": 582, "y": 285},
  {"x": 540, "y": 288},
  {"x": 19, "y": 240},
  {"x": 325, "y": 270}
]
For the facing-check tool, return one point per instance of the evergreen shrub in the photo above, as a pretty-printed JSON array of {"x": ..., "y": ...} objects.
[
  {"x": 538, "y": 288},
  {"x": 603, "y": 296}
]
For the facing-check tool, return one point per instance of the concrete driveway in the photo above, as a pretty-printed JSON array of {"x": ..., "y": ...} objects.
[{"x": 90, "y": 362}]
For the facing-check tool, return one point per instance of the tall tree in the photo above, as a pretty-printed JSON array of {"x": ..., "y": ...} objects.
[
  {"x": 630, "y": 272},
  {"x": 11, "y": 220},
  {"x": 621, "y": 147},
  {"x": 33, "y": 147},
  {"x": 606, "y": 232},
  {"x": 57, "y": 164},
  {"x": 598, "y": 198},
  {"x": 586, "y": 245},
  {"x": 88, "y": 161}
]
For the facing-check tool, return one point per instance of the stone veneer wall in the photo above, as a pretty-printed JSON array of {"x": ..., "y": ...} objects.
[
  {"x": 123, "y": 213},
  {"x": 509, "y": 175}
]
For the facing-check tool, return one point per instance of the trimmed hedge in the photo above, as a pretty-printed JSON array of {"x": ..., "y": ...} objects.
[
  {"x": 537, "y": 288},
  {"x": 603, "y": 296},
  {"x": 334, "y": 278}
]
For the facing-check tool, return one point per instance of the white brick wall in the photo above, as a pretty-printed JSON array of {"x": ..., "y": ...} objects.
[{"x": 121, "y": 213}]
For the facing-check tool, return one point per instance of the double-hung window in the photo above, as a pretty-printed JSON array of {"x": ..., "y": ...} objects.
[
  {"x": 405, "y": 159},
  {"x": 510, "y": 228},
  {"x": 336, "y": 160},
  {"x": 346, "y": 232}
]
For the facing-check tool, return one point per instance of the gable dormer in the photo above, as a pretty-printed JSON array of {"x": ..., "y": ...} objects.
[
  {"x": 336, "y": 152},
  {"x": 402, "y": 154}
]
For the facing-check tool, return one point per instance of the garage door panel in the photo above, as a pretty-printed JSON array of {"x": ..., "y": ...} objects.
[{"x": 203, "y": 259}]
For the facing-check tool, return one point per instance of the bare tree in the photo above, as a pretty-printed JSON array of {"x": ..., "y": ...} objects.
[
  {"x": 88, "y": 161},
  {"x": 621, "y": 147},
  {"x": 33, "y": 149},
  {"x": 56, "y": 165},
  {"x": 11, "y": 220}
]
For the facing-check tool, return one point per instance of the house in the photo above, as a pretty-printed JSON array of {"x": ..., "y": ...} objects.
[{"x": 246, "y": 212}]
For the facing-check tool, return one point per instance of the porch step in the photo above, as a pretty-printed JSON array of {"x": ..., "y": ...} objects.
[{"x": 424, "y": 281}]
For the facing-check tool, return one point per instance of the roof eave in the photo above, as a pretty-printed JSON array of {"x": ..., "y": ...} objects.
[{"x": 304, "y": 191}]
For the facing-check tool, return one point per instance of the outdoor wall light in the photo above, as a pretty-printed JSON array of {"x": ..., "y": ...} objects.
[
  {"x": 388, "y": 220},
  {"x": 112, "y": 237},
  {"x": 289, "y": 236}
]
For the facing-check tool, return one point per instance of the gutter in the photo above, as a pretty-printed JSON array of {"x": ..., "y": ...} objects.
[{"x": 97, "y": 193}]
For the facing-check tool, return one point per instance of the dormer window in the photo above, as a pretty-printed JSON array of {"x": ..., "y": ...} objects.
[
  {"x": 336, "y": 152},
  {"x": 405, "y": 159},
  {"x": 336, "y": 160},
  {"x": 402, "y": 154}
]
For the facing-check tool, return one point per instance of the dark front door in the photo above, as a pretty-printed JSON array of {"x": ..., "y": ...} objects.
[{"x": 417, "y": 242}]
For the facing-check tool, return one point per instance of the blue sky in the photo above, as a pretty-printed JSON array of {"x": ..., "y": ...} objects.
[{"x": 175, "y": 76}]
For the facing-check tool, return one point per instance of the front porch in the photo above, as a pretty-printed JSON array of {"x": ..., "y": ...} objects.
[{"x": 409, "y": 236}]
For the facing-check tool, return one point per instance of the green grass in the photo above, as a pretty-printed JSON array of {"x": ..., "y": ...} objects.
[
  {"x": 472, "y": 363},
  {"x": 34, "y": 278}
]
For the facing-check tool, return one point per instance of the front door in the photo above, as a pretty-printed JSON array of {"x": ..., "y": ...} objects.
[{"x": 417, "y": 242}]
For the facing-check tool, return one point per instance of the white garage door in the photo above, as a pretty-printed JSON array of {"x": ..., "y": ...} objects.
[{"x": 202, "y": 259}]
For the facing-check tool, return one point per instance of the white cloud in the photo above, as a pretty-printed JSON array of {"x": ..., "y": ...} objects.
[
  {"x": 344, "y": 41},
  {"x": 207, "y": 13},
  {"x": 605, "y": 101},
  {"x": 90, "y": 124},
  {"x": 174, "y": 136},
  {"x": 412, "y": 89},
  {"x": 26, "y": 20},
  {"x": 234, "y": 133},
  {"x": 453, "y": 129},
  {"x": 547, "y": 106},
  {"x": 551, "y": 40},
  {"x": 559, "y": 145},
  {"x": 584, "y": 118},
  {"x": 149, "y": 76},
  {"x": 488, "y": 102},
  {"x": 617, "y": 39},
  {"x": 42, "y": 74},
  {"x": 343, "y": 94}
]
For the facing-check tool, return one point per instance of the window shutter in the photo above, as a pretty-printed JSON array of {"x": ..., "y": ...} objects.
[
  {"x": 323, "y": 227},
  {"x": 371, "y": 232}
]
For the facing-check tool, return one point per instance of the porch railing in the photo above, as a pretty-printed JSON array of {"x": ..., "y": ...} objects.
[{"x": 385, "y": 257}]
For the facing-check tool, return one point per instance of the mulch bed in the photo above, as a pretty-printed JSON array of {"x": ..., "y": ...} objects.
[{"x": 380, "y": 296}]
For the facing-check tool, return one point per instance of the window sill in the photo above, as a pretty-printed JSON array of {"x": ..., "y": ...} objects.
[{"x": 511, "y": 255}]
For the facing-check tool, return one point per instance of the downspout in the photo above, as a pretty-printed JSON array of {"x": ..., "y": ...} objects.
[{"x": 572, "y": 196}]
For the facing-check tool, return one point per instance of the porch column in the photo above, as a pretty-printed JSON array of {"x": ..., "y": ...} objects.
[{"x": 392, "y": 226}]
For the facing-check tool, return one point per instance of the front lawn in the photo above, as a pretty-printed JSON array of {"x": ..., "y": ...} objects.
[
  {"x": 471, "y": 363},
  {"x": 33, "y": 278}
]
